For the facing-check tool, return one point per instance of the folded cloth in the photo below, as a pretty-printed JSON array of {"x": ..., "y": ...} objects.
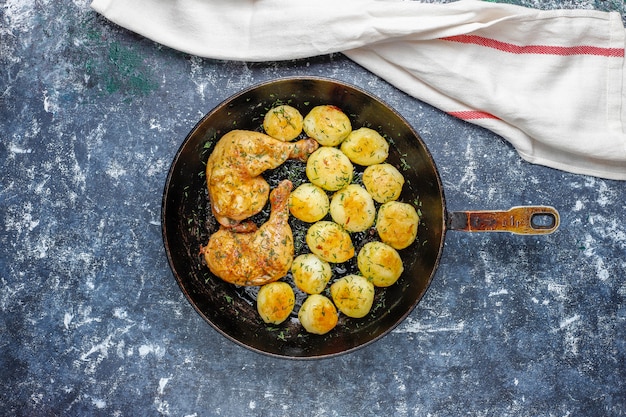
[{"x": 550, "y": 82}]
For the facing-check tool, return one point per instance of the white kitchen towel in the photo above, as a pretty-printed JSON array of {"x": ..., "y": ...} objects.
[{"x": 550, "y": 82}]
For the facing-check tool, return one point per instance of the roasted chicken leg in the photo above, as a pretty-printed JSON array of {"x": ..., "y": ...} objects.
[
  {"x": 236, "y": 189},
  {"x": 255, "y": 258}
]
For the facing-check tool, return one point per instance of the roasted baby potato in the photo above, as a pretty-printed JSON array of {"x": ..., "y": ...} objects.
[
  {"x": 330, "y": 242},
  {"x": 327, "y": 124},
  {"x": 317, "y": 314},
  {"x": 283, "y": 122},
  {"x": 396, "y": 224},
  {"x": 329, "y": 168},
  {"x": 383, "y": 181},
  {"x": 365, "y": 146},
  {"x": 353, "y": 208},
  {"x": 353, "y": 295},
  {"x": 275, "y": 302},
  {"x": 310, "y": 273},
  {"x": 309, "y": 203},
  {"x": 380, "y": 263}
]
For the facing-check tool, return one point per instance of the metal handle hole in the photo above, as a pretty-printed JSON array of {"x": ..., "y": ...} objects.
[{"x": 543, "y": 221}]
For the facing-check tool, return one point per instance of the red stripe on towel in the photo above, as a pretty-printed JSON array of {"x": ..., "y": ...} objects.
[
  {"x": 536, "y": 49},
  {"x": 472, "y": 114}
]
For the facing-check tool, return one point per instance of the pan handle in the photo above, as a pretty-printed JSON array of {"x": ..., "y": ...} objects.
[{"x": 523, "y": 220}]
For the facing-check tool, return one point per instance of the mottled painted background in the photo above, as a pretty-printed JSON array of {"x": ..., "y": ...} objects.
[{"x": 92, "y": 321}]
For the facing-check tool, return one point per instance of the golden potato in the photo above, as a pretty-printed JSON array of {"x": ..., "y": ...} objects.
[
  {"x": 330, "y": 242},
  {"x": 283, "y": 122},
  {"x": 353, "y": 208},
  {"x": 327, "y": 124},
  {"x": 310, "y": 273},
  {"x": 318, "y": 314},
  {"x": 396, "y": 224},
  {"x": 380, "y": 263},
  {"x": 383, "y": 181},
  {"x": 329, "y": 168},
  {"x": 353, "y": 295},
  {"x": 309, "y": 203},
  {"x": 275, "y": 302},
  {"x": 365, "y": 146}
]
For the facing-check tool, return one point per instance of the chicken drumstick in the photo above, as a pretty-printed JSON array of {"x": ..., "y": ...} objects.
[
  {"x": 255, "y": 258},
  {"x": 236, "y": 189}
]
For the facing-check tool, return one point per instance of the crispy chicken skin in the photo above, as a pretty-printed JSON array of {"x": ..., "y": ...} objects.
[
  {"x": 259, "y": 257},
  {"x": 236, "y": 189}
]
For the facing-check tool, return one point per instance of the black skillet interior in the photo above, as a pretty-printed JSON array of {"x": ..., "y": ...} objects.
[{"x": 187, "y": 222}]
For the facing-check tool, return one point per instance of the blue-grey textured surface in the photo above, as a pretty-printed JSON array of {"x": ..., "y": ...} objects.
[{"x": 92, "y": 321}]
